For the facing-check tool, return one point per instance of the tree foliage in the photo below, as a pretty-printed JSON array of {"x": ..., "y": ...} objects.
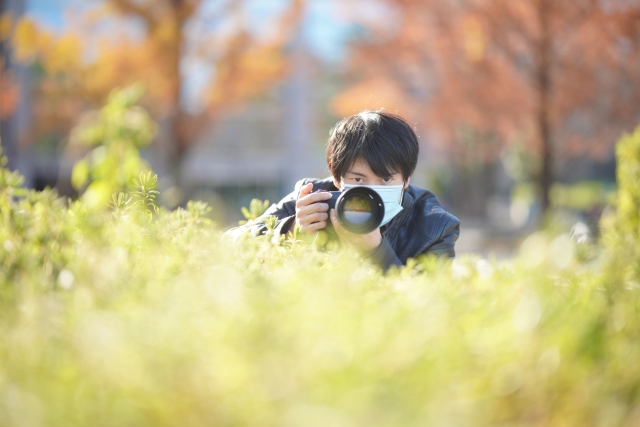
[
  {"x": 8, "y": 86},
  {"x": 8, "y": 92},
  {"x": 77, "y": 69},
  {"x": 562, "y": 74}
]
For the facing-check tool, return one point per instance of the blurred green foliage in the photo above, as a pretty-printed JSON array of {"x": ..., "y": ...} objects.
[
  {"x": 115, "y": 134},
  {"x": 145, "y": 317},
  {"x": 621, "y": 236},
  {"x": 581, "y": 195},
  {"x": 146, "y": 193},
  {"x": 628, "y": 176},
  {"x": 256, "y": 208}
]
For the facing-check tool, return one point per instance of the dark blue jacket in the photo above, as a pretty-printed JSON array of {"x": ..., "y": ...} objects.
[{"x": 422, "y": 227}]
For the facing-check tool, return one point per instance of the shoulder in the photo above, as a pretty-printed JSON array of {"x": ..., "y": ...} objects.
[{"x": 427, "y": 214}]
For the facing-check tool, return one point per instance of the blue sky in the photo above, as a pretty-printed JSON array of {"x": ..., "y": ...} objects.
[
  {"x": 325, "y": 34},
  {"x": 49, "y": 12}
]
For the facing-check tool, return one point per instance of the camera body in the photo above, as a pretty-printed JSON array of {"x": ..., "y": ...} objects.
[
  {"x": 334, "y": 198},
  {"x": 360, "y": 209}
]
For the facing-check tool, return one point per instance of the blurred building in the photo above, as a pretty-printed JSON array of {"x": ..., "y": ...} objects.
[{"x": 261, "y": 150}]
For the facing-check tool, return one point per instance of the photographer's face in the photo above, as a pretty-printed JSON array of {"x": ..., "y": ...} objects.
[{"x": 361, "y": 174}]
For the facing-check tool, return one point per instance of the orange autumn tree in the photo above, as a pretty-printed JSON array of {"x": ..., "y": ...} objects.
[
  {"x": 564, "y": 74},
  {"x": 8, "y": 92},
  {"x": 164, "y": 39},
  {"x": 8, "y": 89},
  {"x": 244, "y": 66}
]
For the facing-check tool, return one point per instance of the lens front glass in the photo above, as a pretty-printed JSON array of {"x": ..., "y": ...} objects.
[{"x": 357, "y": 209}]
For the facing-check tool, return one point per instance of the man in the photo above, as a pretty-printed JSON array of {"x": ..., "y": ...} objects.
[{"x": 380, "y": 150}]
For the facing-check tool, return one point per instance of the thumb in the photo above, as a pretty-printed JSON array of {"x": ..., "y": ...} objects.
[
  {"x": 305, "y": 190},
  {"x": 336, "y": 222}
]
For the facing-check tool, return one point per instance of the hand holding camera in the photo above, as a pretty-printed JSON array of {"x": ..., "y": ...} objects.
[
  {"x": 311, "y": 210},
  {"x": 356, "y": 215}
]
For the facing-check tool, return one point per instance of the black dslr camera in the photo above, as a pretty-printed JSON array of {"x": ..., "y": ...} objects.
[{"x": 360, "y": 210}]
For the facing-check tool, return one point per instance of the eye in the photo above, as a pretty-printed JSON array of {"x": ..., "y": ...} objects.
[
  {"x": 358, "y": 180},
  {"x": 387, "y": 180}
]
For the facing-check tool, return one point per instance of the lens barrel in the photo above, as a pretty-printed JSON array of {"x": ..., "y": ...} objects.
[{"x": 360, "y": 209}]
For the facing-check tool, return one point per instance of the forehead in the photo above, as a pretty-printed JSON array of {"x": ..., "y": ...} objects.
[{"x": 361, "y": 167}]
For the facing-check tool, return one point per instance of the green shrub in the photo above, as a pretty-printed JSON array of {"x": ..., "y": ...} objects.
[
  {"x": 628, "y": 175},
  {"x": 140, "y": 316},
  {"x": 621, "y": 227},
  {"x": 115, "y": 133}
]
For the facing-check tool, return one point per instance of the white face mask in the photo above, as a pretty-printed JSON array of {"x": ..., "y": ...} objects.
[{"x": 390, "y": 195}]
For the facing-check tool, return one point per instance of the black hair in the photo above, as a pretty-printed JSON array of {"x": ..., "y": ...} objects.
[{"x": 384, "y": 140}]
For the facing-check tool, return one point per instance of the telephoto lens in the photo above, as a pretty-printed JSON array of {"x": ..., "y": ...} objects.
[{"x": 360, "y": 210}]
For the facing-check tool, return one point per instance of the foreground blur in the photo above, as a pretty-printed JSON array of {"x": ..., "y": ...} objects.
[{"x": 133, "y": 317}]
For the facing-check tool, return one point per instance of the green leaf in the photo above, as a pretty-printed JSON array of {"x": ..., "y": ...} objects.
[{"x": 80, "y": 174}]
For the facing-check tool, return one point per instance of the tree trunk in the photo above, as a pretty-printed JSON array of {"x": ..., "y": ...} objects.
[
  {"x": 178, "y": 115},
  {"x": 543, "y": 121},
  {"x": 174, "y": 141}
]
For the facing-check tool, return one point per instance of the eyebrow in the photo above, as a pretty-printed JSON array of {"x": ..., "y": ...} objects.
[{"x": 357, "y": 173}]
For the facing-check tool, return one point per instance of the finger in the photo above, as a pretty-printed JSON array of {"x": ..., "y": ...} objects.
[
  {"x": 340, "y": 231},
  {"x": 311, "y": 209},
  {"x": 305, "y": 190},
  {"x": 309, "y": 228},
  {"x": 313, "y": 198},
  {"x": 336, "y": 222},
  {"x": 309, "y": 219}
]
